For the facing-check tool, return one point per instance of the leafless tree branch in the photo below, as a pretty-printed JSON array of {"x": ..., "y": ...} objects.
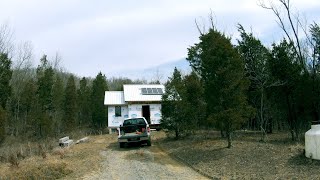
[
  {"x": 295, "y": 30},
  {"x": 6, "y": 35}
]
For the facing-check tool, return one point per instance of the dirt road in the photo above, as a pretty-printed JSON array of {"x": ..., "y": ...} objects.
[{"x": 141, "y": 162}]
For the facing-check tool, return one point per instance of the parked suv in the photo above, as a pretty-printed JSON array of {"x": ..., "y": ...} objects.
[{"x": 134, "y": 130}]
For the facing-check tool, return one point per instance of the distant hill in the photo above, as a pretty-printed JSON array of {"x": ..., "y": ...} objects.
[{"x": 163, "y": 70}]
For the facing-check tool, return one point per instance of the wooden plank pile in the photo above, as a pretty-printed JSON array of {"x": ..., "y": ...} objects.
[{"x": 65, "y": 142}]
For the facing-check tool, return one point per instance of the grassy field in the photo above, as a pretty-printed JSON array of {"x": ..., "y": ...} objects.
[
  {"x": 47, "y": 160},
  {"x": 206, "y": 152}
]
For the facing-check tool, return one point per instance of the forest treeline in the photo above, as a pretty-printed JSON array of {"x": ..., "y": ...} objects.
[
  {"x": 233, "y": 85},
  {"x": 246, "y": 84},
  {"x": 46, "y": 101}
]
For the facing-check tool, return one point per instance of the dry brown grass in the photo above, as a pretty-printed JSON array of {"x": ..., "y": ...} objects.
[
  {"x": 44, "y": 161},
  {"x": 35, "y": 168},
  {"x": 278, "y": 158}
]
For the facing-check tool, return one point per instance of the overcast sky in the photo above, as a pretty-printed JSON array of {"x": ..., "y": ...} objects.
[{"x": 111, "y": 36}]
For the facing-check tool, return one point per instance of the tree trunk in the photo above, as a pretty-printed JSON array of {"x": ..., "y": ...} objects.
[
  {"x": 222, "y": 134},
  {"x": 177, "y": 133},
  {"x": 229, "y": 139},
  {"x": 290, "y": 118},
  {"x": 293, "y": 136},
  {"x": 262, "y": 129},
  {"x": 315, "y": 113}
]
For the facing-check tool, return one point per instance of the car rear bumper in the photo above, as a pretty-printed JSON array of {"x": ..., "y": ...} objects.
[{"x": 127, "y": 139}]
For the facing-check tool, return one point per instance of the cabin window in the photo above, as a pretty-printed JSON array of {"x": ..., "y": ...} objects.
[{"x": 118, "y": 111}]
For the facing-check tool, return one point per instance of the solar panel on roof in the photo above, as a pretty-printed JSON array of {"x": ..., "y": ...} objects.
[
  {"x": 160, "y": 91},
  {"x": 143, "y": 91},
  {"x": 149, "y": 91},
  {"x": 154, "y": 91}
]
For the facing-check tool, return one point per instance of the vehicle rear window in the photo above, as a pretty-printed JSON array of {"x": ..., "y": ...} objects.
[{"x": 134, "y": 121}]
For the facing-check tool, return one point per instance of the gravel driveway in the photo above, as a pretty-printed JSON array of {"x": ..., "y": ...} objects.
[{"x": 141, "y": 162}]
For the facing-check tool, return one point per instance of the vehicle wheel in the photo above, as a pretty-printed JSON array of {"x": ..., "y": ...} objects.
[
  {"x": 149, "y": 142},
  {"x": 121, "y": 145}
]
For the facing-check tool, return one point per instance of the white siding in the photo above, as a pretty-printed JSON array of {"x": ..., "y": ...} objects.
[
  {"x": 135, "y": 110},
  {"x": 116, "y": 121},
  {"x": 155, "y": 113}
]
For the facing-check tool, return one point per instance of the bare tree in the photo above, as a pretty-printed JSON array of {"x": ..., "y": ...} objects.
[
  {"x": 24, "y": 55},
  {"x": 157, "y": 77},
  {"x": 291, "y": 23},
  {"x": 21, "y": 74},
  {"x": 6, "y": 34},
  {"x": 56, "y": 62},
  {"x": 288, "y": 22},
  {"x": 255, "y": 56}
]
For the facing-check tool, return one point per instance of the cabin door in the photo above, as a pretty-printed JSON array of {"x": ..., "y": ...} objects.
[{"x": 146, "y": 112}]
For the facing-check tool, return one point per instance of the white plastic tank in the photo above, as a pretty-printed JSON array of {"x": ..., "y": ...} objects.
[{"x": 312, "y": 142}]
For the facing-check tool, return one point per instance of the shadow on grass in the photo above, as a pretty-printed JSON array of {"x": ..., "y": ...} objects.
[
  {"x": 196, "y": 156},
  {"x": 301, "y": 160}
]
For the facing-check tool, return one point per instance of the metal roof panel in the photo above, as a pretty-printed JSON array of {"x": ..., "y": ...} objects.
[
  {"x": 114, "y": 98},
  {"x": 133, "y": 92}
]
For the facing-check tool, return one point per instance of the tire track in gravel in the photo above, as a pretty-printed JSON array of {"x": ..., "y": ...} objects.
[{"x": 141, "y": 162}]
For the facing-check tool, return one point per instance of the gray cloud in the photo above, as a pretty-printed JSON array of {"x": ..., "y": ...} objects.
[{"x": 114, "y": 36}]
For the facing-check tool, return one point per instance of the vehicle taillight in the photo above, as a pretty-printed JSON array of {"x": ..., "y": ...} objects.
[{"x": 143, "y": 129}]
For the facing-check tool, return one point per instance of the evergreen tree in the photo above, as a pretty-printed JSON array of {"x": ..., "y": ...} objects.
[
  {"x": 183, "y": 107},
  {"x": 315, "y": 71},
  {"x": 30, "y": 106},
  {"x": 70, "y": 110},
  {"x": 5, "y": 91},
  {"x": 58, "y": 93},
  {"x": 45, "y": 75},
  {"x": 99, "y": 87},
  {"x": 255, "y": 57},
  {"x": 225, "y": 84},
  {"x": 5, "y": 76},
  {"x": 172, "y": 106},
  {"x": 84, "y": 102},
  {"x": 2, "y": 125},
  {"x": 194, "y": 100},
  {"x": 285, "y": 66}
]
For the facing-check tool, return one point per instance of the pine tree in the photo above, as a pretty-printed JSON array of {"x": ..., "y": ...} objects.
[
  {"x": 5, "y": 76},
  {"x": 45, "y": 75},
  {"x": 285, "y": 66},
  {"x": 58, "y": 93},
  {"x": 5, "y": 91},
  {"x": 70, "y": 99},
  {"x": 2, "y": 125},
  {"x": 194, "y": 100},
  {"x": 255, "y": 57},
  {"x": 222, "y": 72},
  {"x": 84, "y": 102},
  {"x": 99, "y": 87},
  {"x": 30, "y": 105},
  {"x": 172, "y": 106}
]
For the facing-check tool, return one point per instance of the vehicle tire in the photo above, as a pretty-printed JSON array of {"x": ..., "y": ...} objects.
[
  {"x": 149, "y": 142},
  {"x": 121, "y": 145}
]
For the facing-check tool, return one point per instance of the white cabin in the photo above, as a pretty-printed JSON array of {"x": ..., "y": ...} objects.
[{"x": 136, "y": 100}]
